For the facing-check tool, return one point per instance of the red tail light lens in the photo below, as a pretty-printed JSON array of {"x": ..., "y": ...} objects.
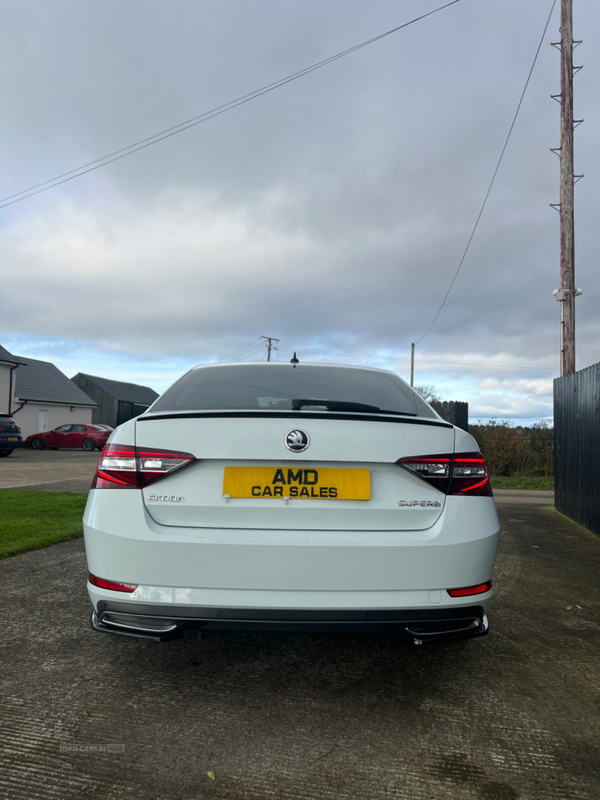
[
  {"x": 470, "y": 590},
  {"x": 126, "y": 467},
  {"x": 460, "y": 473},
  {"x": 115, "y": 587}
]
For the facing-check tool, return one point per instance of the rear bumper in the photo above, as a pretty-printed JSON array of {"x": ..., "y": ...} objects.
[
  {"x": 124, "y": 544},
  {"x": 158, "y": 623},
  {"x": 6, "y": 445}
]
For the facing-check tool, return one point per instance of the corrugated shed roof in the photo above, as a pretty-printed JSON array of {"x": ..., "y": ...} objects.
[
  {"x": 42, "y": 381},
  {"x": 6, "y": 356},
  {"x": 129, "y": 392}
]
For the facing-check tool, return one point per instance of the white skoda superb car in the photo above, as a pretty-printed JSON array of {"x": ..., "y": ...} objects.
[{"x": 290, "y": 496}]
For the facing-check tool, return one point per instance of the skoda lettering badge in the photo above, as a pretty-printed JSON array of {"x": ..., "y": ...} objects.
[{"x": 297, "y": 441}]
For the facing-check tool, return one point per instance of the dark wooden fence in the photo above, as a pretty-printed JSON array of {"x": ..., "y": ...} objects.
[
  {"x": 456, "y": 413},
  {"x": 577, "y": 446}
]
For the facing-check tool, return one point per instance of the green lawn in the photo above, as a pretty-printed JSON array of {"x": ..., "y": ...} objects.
[
  {"x": 522, "y": 483},
  {"x": 29, "y": 520}
]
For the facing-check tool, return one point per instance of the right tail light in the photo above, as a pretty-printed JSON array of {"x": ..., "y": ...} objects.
[
  {"x": 454, "y": 473},
  {"x": 469, "y": 591}
]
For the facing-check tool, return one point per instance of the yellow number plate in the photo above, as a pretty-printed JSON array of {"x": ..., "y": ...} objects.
[{"x": 297, "y": 482}]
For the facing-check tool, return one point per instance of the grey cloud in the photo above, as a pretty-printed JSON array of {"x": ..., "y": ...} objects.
[{"x": 332, "y": 212}]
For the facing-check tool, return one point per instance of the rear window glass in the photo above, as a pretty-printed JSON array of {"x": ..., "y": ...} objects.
[
  {"x": 6, "y": 420},
  {"x": 277, "y": 387}
]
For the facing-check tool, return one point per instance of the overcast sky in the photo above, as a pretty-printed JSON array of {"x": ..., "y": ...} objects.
[{"x": 331, "y": 213}]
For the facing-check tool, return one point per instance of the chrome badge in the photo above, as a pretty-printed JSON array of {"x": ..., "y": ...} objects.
[
  {"x": 166, "y": 498},
  {"x": 297, "y": 441},
  {"x": 420, "y": 503}
]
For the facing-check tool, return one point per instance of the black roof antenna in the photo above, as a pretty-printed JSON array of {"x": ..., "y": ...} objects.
[{"x": 294, "y": 360}]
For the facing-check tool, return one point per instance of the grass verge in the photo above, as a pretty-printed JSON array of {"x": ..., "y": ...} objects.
[
  {"x": 29, "y": 520},
  {"x": 522, "y": 483}
]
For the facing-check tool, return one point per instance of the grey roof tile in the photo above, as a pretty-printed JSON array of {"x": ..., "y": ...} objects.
[
  {"x": 6, "y": 356},
  {"x": 42, "y": 381}
]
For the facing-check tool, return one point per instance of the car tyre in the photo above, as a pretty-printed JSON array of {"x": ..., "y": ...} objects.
[
  {"x": 88, "y": 444},
  {"x": 38, "y": 443},
  {"x": 4, "y": 453}
]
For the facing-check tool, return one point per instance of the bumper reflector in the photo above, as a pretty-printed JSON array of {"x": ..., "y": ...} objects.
[
  {"x": 470, "y": 590},
  {"x": 114, "y": 587}
]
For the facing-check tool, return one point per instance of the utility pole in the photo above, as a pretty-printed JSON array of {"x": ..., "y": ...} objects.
[
  {"x": 568, "y": 291},
  {"x": 412, "y": 364},
  {"x": 269, "y": 346}
]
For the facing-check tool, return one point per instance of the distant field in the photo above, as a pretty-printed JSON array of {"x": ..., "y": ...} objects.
[
  {"x": 523, "y": 483},
  {"x": 29, "y": 520}
]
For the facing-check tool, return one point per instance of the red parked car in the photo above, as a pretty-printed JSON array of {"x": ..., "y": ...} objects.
[{"x": 89, "y": 437}]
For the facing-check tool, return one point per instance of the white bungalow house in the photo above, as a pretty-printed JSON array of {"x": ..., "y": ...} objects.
[{"x": 39, "y": 396}]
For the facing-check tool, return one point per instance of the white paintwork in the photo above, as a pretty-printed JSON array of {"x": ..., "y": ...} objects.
[
  {"x": 218, "y": 443},
  {"x": 263, "y": 439},
  {"x": 124, "y": 544},
  {"x": 6, "y": 400},
  {"x": 201, "y": 486},
  {"x": 287, "y": 600},
  {"x": 260, "y": 553},
  {"x": 464, "y": 442}
]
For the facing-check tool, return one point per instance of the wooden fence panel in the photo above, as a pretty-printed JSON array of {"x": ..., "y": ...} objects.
[{"x": 454, "y": 412}]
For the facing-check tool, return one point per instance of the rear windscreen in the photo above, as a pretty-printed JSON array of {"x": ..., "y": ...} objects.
[{"x": 280, "y": 387}]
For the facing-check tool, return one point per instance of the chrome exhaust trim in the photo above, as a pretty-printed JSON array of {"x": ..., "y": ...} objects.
[
  {"x": 103, "y": 624},
  {"x": 475, "y": 628}
]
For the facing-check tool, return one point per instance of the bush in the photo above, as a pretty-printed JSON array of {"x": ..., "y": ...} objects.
[{"x": 516, "y": 451}]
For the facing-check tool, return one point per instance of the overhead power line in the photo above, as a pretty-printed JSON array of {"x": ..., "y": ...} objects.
[
  {"x": 116, "y": 155},
  {"x": 406, "y": 357},
  {"x": 243, "y": 356},
  {"x": 253, "y": 345},
  {"x": 485, "y": 199}
]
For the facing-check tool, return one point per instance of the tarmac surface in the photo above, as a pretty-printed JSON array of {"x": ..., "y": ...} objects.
[
  {"x": 64, "y": 470},
  {"x": 512, "y": 716}
]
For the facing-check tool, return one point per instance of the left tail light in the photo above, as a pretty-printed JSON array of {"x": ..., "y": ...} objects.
[
  {"x": 127, "y": 467},
  {"x": 454, "y": 473}
]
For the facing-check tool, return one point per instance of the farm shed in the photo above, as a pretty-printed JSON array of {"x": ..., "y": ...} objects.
[{"x": 116, "y": 401}]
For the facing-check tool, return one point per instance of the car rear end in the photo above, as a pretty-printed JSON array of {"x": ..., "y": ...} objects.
[
  {"x": 10, "y": 435},
  {"x": 245, "y": 498},
  {"x": 100, "y": 434}
]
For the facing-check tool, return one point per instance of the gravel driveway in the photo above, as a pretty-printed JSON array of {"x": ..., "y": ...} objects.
[{"x": 298, "y": 716}]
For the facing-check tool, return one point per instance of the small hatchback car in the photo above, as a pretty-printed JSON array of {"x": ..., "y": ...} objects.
[
  {"x": 10, "y": 435},
  {"x": 298, "y": 496}
]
